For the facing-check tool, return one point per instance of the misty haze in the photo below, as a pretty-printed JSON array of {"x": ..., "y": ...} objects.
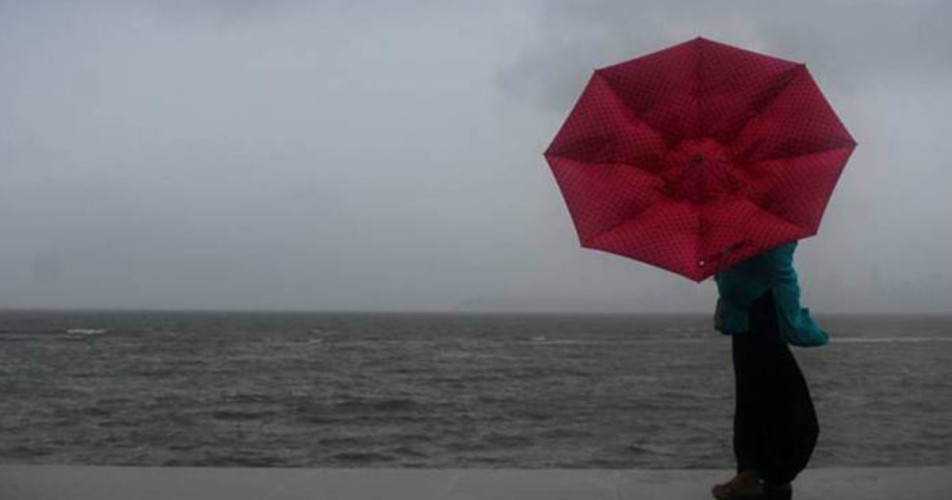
[
  {"x": 327, "y": 234},
  {"x": 373, "y": 156}
]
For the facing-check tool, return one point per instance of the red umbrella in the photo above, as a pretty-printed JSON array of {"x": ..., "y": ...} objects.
[{"x": 698, "y": 156}]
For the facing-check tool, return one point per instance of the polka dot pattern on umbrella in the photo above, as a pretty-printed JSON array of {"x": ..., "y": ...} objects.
[{"x": 698, "y": 156}]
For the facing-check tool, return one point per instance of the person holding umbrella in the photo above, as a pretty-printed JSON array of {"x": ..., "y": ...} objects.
[
  {"x": 708, "y": 160},
  {"x": 775, "y": 425}
]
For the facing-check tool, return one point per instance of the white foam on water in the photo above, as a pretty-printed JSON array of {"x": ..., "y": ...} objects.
[
  {"x": 861, "y": 340},
  {"x": 85, "y": 331}
]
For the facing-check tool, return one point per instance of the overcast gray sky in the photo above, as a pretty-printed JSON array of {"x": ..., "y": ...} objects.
[{"x": 376, "y": 155}]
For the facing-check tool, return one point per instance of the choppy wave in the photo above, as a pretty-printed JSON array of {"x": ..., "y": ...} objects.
[
  {"x": 874, "y": 340},
  {"x": 86, "y": 331},
  {"x": 443, "y": 391},
  {"x": 362, "y": 457},
  {"x": 378, "y": 404}
]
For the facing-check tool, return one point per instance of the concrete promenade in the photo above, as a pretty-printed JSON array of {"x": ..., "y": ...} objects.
[{"x": 27, "y": 482}]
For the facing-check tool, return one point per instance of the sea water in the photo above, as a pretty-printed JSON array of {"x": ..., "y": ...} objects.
[{"x": 445, "y": 390}]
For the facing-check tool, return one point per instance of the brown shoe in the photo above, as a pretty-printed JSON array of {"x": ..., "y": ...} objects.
[
  {"x": 744, "y": 486},
  {"x": 748, "y": 485}
]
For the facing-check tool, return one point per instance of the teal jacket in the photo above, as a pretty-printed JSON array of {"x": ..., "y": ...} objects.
[{"x": 743, "y": 283}]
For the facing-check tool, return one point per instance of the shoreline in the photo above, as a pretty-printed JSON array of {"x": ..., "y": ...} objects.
[{"x": 41, "y": 482}]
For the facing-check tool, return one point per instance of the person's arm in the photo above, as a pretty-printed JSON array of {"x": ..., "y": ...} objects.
[{"x": 796, "y": 325}]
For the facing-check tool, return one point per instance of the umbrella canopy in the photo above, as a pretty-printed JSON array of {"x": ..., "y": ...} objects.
[{"x": 698, "y": 156}]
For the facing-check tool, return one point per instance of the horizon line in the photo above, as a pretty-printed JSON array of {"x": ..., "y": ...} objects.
[{"x": 443, "y": 312}]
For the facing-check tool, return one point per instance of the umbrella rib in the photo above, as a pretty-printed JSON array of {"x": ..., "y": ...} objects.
[
  {"x": 788, "y": 158},
  {"x": 696, "y": 87},
  {"x": 772, "y": 213},
  {"x": 846, "y": 144},
  {"x": 562, "y": 156},
  {"x": 630, "y": 117},
  {"x": 780, "y": 217},
  {"x": 788, "y": 77},
  {"x": 632, "y": 218},
  {"x": 601, "y": 163}
]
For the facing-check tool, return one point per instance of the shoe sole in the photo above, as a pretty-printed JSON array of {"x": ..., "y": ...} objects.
[{"x": 782, "y": 492}]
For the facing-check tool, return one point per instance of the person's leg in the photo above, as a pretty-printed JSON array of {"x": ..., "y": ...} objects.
[
  {"x": 751, "y": 398},
  {"x": 750, "y": 412},
  {"x": 775, "y": 423}
]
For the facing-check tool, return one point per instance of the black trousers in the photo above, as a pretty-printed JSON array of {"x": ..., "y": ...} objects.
[{"x": 775, "y": 425}]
